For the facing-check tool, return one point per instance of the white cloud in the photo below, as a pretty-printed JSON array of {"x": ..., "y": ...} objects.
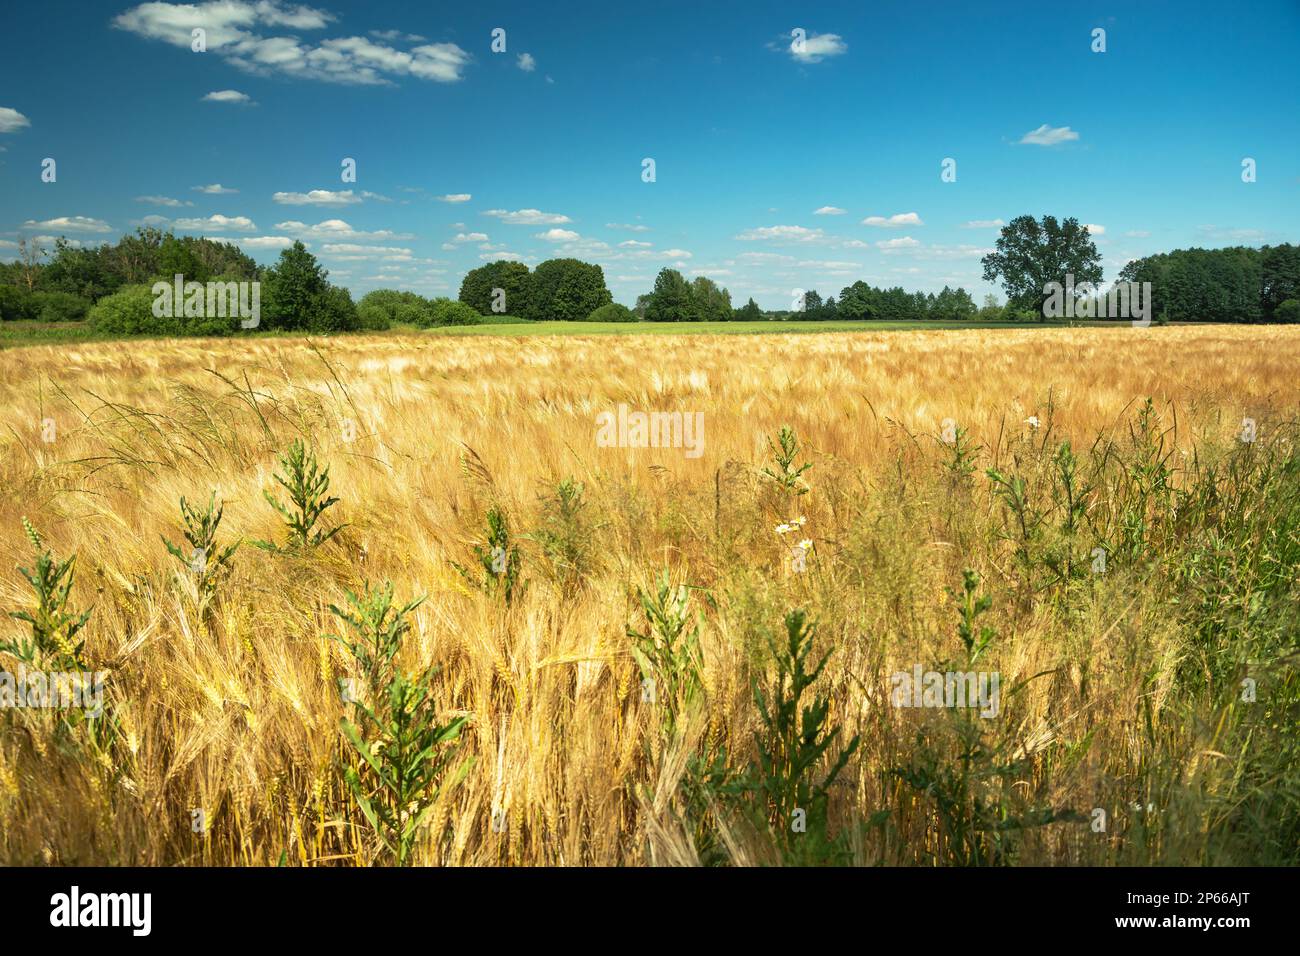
[
  {"x": 634, "y": 244},
  {"x": 265, "y": 242},
  {"x": 354, "y": 250},
  {"x": 338, "y": 230},
  {"x": 394, "y": 36},
  {"x": 894, "y": 221},
  {"x": 892, "y": 245},
  {"x": 1094, "y": 229},
  {"x": 216, "y": 223},
  {"x": 629, "y": 226},
  {"x": 1049, "y": 136},
  {"x": 215, "y": 189},
  {"x": 558, "y": 235},
  {"x": 318, "y": 197},
  {"x": 497, "y": 256},
  {"x": 470, "y": 237},
  {"x": 454, "y": 197},
  {"x": 526, "y": 62},
  {"x": 70, "y": 224},
  {"x": 11, "y": 119},
  {"x": 984, "y": 224},
  {"x": 765, "y": 257},
  {"x": 163, "y": 201},
  {"x": 816, "y": 47},
  {"x": 528, "y": 217},
  {"x": 781, "y": 233},
  {"x": 829, "y": 211},
  {"x": 236, "y": 32},
  {"x": 228, "y": 96}
]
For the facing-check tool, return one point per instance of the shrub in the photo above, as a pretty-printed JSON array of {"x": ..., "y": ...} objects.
[
  {"x": 372, "y": 317},
  {"x": 332, "y": 311},
  {"x": 388, "y": 302},
  {"x": 60, "y": 307},
  {"x": 417, "y": 312},
  {"x": 612, "y": 312},
  {"x": 129, "y": 311},
  {"x": 15, "y": 304},
  {"x": 451, "y": 312}
]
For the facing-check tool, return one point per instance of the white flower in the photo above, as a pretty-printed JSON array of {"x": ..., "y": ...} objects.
[
  {"x": 1032, "y": 421},
  {"x": 800, "y": 521},
  {"x": 784, "y": 528},
  {"x": 806, "y": 544}
]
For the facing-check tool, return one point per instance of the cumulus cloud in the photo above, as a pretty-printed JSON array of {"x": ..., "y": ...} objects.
[
  {"x": 1049, "y": 136},
  {"x": 163, "y": 201},
  {"x": 216, "y": 223},
  {"x": 454, "y": 197},
  {"x": 526, "y": 62},
  {"x": 228, "y": 96},
  {"x": 781, "y": 233},
  {"x": 338, "y": 230},
  {"x": 11, "y": 120},
  {"x": 558, "y": 235},
  {"x": 265, "y": 242},
  {"x": 70, "y": 224},
  {"x": 318, "y": 197},
  {"x": 894, "y": 245},
  {"x": 498, "y": 256},
  {"x": 894, "y": 221},
  {"x": 215, "y": 189},
  {"x": 351, "y": 249},
  {"x": 815, "y": 47},
  {"x": 397, "y": 36},
  {"x": 829, "y": 211},
  {"x": 1094, "y": 229},
  {"x": 238, "y": 31},
  {"x": 528, "y": 217}
]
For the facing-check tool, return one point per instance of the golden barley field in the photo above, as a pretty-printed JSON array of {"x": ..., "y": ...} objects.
[{"x": 1148, "y": 708}]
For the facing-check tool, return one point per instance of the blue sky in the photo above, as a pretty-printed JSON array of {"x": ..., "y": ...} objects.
[{"x": 775, "y": 168}]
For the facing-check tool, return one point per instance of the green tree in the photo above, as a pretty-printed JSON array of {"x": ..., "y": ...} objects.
[
  {"x": 711, "y": 304},
  {"x": 1031, "y": 253},
  {"x": 1280, "y": 279},
  {"x": 750, "y": 312},
  {"x": 566, "y": 290},
  {"x": 477, "y": 289},
  {"x": 857, "y": 301},
  {"x": 296, "y": 294},
  {"x": 671, "y": 300}
]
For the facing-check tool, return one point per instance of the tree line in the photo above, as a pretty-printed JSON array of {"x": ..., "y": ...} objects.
[
  {"x": 1237, "y": 284},
  {"x": 111, "y": 285}
]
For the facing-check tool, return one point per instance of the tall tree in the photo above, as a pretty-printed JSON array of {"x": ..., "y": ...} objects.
[
  {"x": 671, "y": 300},
  {"x": 1031, "y": 253}
]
